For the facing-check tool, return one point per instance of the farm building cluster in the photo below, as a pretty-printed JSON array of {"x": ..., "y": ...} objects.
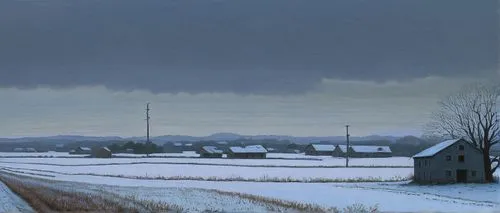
[
  {"x": 352, "y": 151},
  {"x": 259, "y": 152}
]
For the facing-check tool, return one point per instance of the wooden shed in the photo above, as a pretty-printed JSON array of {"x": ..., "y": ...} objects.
[
  {"x": 248, "y": 152},
  {"x": 101, "y": 152},
  {"x": 320, "y": 149},
  {"x": 210, "y": 152}
]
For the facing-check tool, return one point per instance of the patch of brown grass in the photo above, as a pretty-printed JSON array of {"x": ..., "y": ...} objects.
[{"x": 51, "y": 199}]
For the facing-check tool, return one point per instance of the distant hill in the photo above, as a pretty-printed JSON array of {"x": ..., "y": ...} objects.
[{"x": 213, "y": 137}]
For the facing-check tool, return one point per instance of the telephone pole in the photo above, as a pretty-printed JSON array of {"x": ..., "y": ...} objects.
[
  {"x": 347, "y": 148},
  {"x": 147, "y": 123}
]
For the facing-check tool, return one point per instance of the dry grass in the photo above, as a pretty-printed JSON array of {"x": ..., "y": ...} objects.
[
  {"x": 216, "y": 164},
  {"x": 264, "y": 178},
  {"x": 51, "y": 199},
  {"x": 45, "y": 196},
  {"x": 277, "y": 205}
]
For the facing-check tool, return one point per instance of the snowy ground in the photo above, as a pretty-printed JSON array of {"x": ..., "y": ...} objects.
[
  {"x": 189, "y": 200},
  {"x": 315, "y": 161},
  {"x": 389, "y": 197},
  {"x": 10, "y": 202},
  {"x": 167, "y": 171},
  {"x": 394, "y": 197},
  {"x": 38, "y": 154}
]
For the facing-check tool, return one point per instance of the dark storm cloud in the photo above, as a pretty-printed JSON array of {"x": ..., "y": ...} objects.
[{"x": 258, "y": 46}]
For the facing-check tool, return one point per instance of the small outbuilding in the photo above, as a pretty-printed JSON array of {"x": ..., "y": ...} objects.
[
  {"x": 451, "y": 161},
  {"x": 81, "y": 151},
  {"x": 248, "y": 152},
  {"x": 320, "y": 149},
  {"x": 210, "y": 152},
  {"x": 101, "y": 152}
]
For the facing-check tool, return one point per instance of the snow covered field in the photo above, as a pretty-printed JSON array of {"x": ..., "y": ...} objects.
[
  {"x": 38, "y": 155},
  {"x": 395, "y": 197},
  {"x": 292, "y": 161},
  {"x": 220, "y": 169},
  {"x": 167, "y": 171}
]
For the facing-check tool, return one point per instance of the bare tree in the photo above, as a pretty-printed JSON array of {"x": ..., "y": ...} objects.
[{"x": 471, "y": 114}]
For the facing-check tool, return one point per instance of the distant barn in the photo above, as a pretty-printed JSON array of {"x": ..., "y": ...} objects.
[
  {"x": 101, "y": 152},
  {"x": 363, "y": 151},
  {"x": 452, "y": 161},
  {"x": 81, "y": 151},
  {"x": 210, "y": 152},
  {"x": 320, "y": 149},
  {"x": 255, "y": 152}
]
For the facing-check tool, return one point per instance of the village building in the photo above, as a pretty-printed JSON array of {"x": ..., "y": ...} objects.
[
  {"x": 320, "y": 149},
  {"x": 30, "y": 150},
  {"x": 18, "y": 149},
  {"x": 210, "y": 152},
  {"x": 173, "y": 147},
  {"x": 24, "y": 150},
  {"x": 101, "y": 152},
  {"x": 59, "y": 148},
  {"x": 250, "y": 152},
  {"x": 363, "y": 151},
  {"x": 451, "y": 161},
  {"x": 81, "y": 151}
]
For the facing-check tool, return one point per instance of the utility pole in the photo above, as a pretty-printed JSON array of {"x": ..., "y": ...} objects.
[
  {"x": 347, "y": 148},
  {"x": 147, "y": 123}
]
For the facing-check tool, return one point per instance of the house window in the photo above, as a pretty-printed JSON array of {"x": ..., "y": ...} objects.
[
  {"x": 419, "y": 164},
  {"x": 473, "y": 174},
  {"x": 448, "y": 158},
  {"x": 448, "y": 173},
  {"x": 461, "y": 147},
  {"x": 425, "y": 163},
  {"x": 461, "y": 158}
]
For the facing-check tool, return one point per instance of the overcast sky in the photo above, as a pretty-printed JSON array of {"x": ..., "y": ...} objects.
[{"x": 252, "y": 67}]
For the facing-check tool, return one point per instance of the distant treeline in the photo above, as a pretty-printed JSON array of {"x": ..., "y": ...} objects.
[
  {"x": 405, "y": 146},
  {"x": 136, "y": 148}
]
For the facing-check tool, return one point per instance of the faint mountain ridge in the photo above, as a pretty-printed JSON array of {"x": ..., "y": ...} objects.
[{"x": 222, "y": 136}]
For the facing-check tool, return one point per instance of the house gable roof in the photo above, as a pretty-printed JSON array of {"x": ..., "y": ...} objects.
[
  {"x": 433, "y": 150},
  {"x": 323, "y": 147},
  {"x": 84, "y": 148},
  {"x": 248, "y": 149},
  {"x": 212, "y": 150}
]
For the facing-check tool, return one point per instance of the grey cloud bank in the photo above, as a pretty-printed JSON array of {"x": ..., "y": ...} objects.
[
  {"x": 387, "y": 109},
  {"x": 261, "y": 47}
]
